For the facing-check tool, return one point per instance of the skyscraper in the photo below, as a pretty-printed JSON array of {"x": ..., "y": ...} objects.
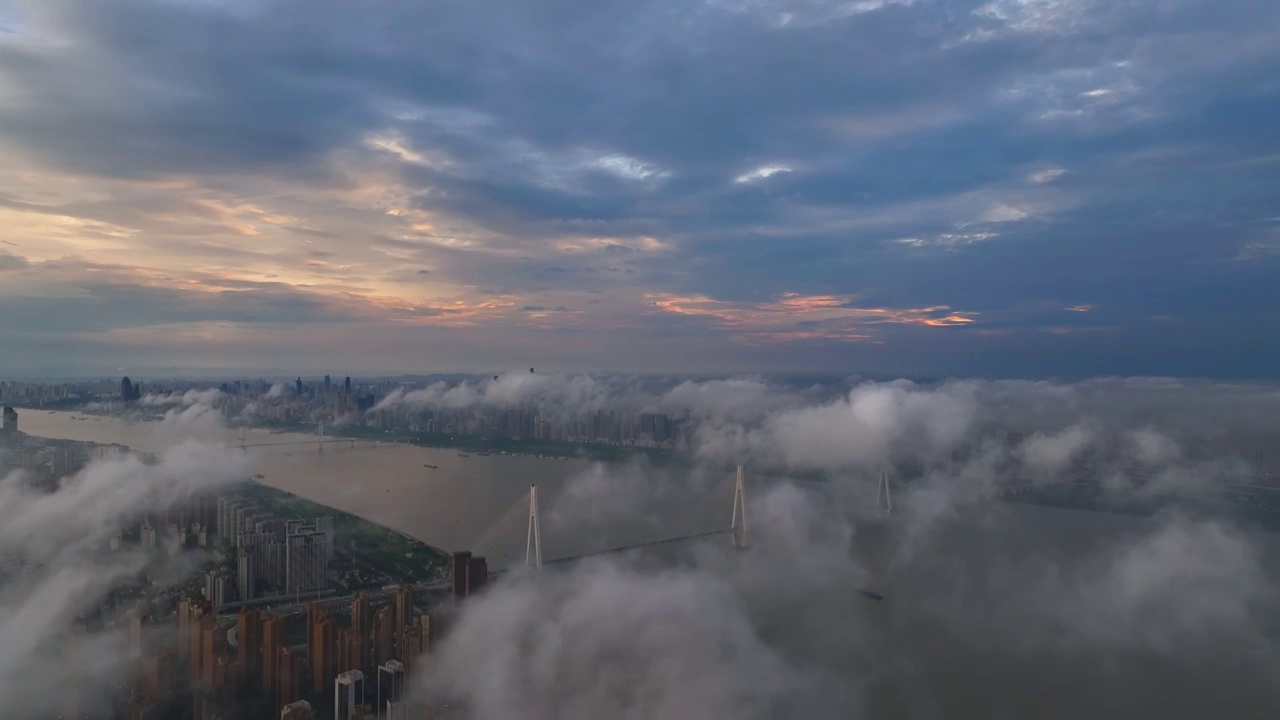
[
  {"x": 361, "y": 629},
  {"x": 347, "y": 385},
  {"x": 325, "y": 525},
  {"x": 248, "y": 644},
  {"x": 246, "y": 581},
  {"x": 272, "y": 642},
  {"x": 384, "y": 630},
  {"x": 213, "y": 640},
  {"x": 10, "y": 426},
  {"x": 390, "y": 685},
  {"x": 348, "y": 694},
  {"x": 305, "y": 566},
  {"x": 126, "y": 389},
  {"x": 324, "y": 657},
  {"x": 404, "y": 610},
  {"x": 460, "y": 561},
  {"x": 289, "y": 676}
]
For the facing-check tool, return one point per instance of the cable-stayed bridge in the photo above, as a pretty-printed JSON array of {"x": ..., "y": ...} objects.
[{"x": 516, "y": 538}]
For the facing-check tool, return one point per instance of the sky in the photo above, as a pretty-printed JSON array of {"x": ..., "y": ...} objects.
[{"x": 1021, "y": 188}]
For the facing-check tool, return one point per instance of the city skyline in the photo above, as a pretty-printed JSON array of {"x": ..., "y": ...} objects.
[{"x": 997, "y": 187}]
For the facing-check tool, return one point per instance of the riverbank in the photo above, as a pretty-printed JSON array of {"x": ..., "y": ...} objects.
[{"x": 385, "y": 550}]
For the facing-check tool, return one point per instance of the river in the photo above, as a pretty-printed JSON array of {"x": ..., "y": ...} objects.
[{"x": 449, "y": 507}]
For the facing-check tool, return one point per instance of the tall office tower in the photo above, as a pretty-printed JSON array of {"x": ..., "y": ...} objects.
[
  {"x": 348, "y": 694},
  {"x": 404, "y": 612},
  {"x": 361, "y": 630},
  {"x": 246, "y": 581},
  {"x": 305, "y": 566},
  {"x": 148, "y": 537},
  {"x": 384, "y": 630},
  {"x": 328, "y": 384},
  {"x": 324, "y": 657},
  {"x": 272, "y": 643},
  {"x": 300, "y": 710},
  {"x": 248, "y": 644},
  {"x": 298, "y": 386},
  {"x": 347, "y": 385},
  {"x": 390, "y": 684},
  {"x": 461, "y": 559},
  {"x": 325, "y": 525},
  {"x": 126, "y": 389}
]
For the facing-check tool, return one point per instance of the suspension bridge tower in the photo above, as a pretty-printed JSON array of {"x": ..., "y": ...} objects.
[
  {"x": 884, "y": 497},
  {"x": 533, "y": 547},
  {"x": 739, "y": 524}
]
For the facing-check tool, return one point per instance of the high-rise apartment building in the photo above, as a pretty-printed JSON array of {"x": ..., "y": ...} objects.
[
  {"x": 348, "y": 694},
  {"x": 361, "y": 630},
  {"x": 404, "y": 612},
  {"x": 384, "y": 631},
  {"x": 272, "y": 643},
  {"x": 248, "y": 645},
  {"x": 290, "y": 675},
  {"x": 305, "y": 566},
  {"x": 324, "y": 655},
  {"x": 390, "y": 685},
  {"x": 246, "y": 580}
]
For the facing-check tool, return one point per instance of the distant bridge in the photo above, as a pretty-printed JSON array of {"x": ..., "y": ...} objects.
[
  {"x": 519, "y": 531},
  {"x": 319, "y": 440}
]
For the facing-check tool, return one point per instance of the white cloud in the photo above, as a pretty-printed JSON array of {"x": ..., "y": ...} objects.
[
  {"x": 625, "y": 166},
  {"x": 1004, "y": 212},
  {"x": 762, "y": 172},
  {"x": 1046, "y": 175}
]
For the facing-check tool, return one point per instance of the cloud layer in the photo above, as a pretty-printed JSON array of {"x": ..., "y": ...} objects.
[
  {"x": 921, "y": 188},
  {"x": 993, "y": 609}
]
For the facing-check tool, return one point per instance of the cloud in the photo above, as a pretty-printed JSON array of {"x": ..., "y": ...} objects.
[
  {"x": 186, "y": 399},
  {"x": 207, "y": 172},
  {"x": 1003, "y": 594},
  {"x": 59, "y": 538}
]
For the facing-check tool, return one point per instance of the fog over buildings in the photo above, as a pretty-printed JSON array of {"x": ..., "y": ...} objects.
[{"x": 1100, "y": 548}]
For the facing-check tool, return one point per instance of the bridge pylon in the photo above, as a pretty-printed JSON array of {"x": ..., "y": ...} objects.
[
  {"x": 533, "y": 547},
  {"x": 739, "y": 524},
  {"x": 884, "y": 497}
]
